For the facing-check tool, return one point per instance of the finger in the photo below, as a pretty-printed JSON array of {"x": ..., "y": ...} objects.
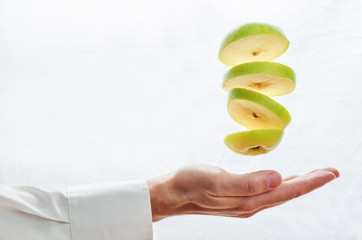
[
  {"x": 250, "y": 214},
  {"x": 296, "y": 187},
  {"x": 290, "y": 178},
  {"x": 248, "y": 184},
  {"x": 333, "y": 170},
  {"x": 247, "y": 204}
]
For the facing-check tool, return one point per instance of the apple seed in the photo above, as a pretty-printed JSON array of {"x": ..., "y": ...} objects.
[{"x": 256, "y": 148}]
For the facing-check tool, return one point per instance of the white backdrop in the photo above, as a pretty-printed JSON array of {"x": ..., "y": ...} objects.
[{"x": 109, "y": 90}]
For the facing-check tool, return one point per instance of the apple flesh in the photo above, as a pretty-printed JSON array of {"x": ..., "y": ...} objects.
[
  {"x": 269, "y": 78},
  {"x": 253, "y": 42},
  {"x": 254, "y": 142},
  {"x": 255, "y": 110}
]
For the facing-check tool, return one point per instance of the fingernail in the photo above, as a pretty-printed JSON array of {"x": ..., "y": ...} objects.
[
  {"x": 333, "y": 170},
  {"x": 336, "y": 173},
  {"x": 274, "y": 180}
]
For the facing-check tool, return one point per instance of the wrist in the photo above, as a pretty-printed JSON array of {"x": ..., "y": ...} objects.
[{"x": 166, "y": 199}]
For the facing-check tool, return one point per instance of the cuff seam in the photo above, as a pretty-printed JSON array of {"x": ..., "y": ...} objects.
[
  {"x": 73, "y": 201},
  {"x": 147, "y": 206}
]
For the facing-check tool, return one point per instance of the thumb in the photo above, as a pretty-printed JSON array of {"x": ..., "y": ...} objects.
[{"x": 248, "y": 184}]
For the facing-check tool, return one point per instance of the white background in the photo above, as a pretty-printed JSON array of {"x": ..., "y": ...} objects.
[{"x": 109, "y": 90}]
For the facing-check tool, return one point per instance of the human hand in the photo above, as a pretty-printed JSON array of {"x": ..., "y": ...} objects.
[{"x": 210, "y": 190}]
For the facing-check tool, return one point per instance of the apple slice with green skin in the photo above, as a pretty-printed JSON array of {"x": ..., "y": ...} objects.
[
  {"x": 255, "y": 110},
  {"x": 269, "y": 78},
  {"x": 253, "y": 42},
  {"x": 254, "y": 142}
]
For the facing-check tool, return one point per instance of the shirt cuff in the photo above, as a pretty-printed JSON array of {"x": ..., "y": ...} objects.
[{"x": 111, "y": 211}]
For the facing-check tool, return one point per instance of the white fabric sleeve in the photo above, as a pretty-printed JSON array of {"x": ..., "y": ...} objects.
[
  {"x": 111, "y": 212},
  {"x": 107, "y": 212}
]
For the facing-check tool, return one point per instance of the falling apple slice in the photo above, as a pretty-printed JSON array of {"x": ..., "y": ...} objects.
[
  {"x": 269, "y": 78},
  {"x": 253, "y": 42},
  {"x": 255, "y": 110},
  {"x": 254, "y": 142}
]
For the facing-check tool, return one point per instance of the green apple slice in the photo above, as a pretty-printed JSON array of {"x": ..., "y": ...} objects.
[
  {"x": 254, "y": 142},
  {"x": 255, "y": 110},
  {"x": 269, "y": 78},
  {"x": 253, "y": 42}
]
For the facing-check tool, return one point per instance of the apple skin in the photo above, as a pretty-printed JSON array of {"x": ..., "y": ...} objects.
[
  {"x": 266, "y": 68},
  {"x": 253, "y": 29},
  {"x": 264, "y": 140},
  {"x": 261, "y": 100}
]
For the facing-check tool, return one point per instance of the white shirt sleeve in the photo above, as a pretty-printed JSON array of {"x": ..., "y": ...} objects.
[{"x": 107, "y": 212}]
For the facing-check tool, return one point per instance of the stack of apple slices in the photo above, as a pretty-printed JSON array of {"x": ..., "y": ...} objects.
[{"x": 251, "y": 82}]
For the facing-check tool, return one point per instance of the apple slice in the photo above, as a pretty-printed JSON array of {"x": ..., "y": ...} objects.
[
  {"x": 255, "y": 110},
  {"x": 253, "y": 42},
  {"x": 254, "y": 142},
  {"x": 269, "y": 78}
]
